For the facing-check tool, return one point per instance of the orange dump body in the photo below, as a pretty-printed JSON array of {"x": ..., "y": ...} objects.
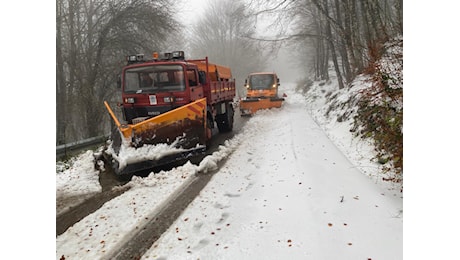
[{"x": 216, "y": 72}]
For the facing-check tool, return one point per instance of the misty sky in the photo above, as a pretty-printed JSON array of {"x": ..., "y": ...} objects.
[{"x": 287, "y": 71}]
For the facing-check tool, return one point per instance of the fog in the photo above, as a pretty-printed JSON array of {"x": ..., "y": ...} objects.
[
  {"x": 286, "y": 66},
  {"x": 281, "y": 60}
]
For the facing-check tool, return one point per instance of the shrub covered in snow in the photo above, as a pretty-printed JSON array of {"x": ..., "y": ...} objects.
[{"x": 380, "y": 107}]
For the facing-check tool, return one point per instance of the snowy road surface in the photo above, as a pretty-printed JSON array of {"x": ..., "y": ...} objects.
[{"x": 285, "y": 191}]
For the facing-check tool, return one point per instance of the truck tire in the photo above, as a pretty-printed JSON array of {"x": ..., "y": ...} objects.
[{"x": 225, "y": 121}]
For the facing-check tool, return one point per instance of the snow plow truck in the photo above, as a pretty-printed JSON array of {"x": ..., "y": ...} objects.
[
  {"x": 262, "y": 93},
  {"x": 169, "y": 107}
]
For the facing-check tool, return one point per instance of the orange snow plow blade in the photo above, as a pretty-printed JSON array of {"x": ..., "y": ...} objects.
[
  {"x": 172, "y": 136},
  {"x": 249, "y": 106}
]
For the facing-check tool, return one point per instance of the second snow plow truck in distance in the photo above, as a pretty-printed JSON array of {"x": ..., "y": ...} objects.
[
  {"x": 169, "y": 106},
  {"x": 262, "y": 93}
]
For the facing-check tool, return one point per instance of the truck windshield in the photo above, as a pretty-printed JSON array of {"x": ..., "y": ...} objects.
[
  {"x": 155, "y": 78},
  {"x": 261, "y": 81}
]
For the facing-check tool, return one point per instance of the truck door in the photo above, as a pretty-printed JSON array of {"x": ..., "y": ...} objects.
[{"x": 196, "y": 89}]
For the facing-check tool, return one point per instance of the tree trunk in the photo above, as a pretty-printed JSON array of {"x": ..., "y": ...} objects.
[
  {"x": 332, "y": 47},
  {"x": 61, "y": 88},
  {"x": 343, "y": 47}
]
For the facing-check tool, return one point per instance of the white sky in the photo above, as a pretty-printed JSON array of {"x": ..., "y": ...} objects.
[
  {"x": 191, "y": 10},
  {"x": 277, "y": 195},
  {"x": 283, "y": 65}
]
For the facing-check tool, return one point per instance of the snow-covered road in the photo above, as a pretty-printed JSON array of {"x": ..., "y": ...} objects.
[{"x": 285, "y": 191}]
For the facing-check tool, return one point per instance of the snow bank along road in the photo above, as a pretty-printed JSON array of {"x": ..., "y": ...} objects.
[{"x": 285, "y": 191}]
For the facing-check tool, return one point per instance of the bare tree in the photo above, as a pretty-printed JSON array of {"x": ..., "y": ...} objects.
[
  {"x": 223, "y": 34},
  {"x": 348, "y": 33},
  {"x": 92, "y": 39}
]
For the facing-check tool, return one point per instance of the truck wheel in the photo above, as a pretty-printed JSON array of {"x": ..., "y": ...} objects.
[{"x": 225, "y": 121}]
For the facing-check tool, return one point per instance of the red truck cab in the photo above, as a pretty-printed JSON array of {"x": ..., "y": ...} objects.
[{"x": 150, "y": 88}]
